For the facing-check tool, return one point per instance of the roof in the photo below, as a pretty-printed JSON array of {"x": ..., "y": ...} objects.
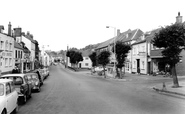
[
  {"x": 10, "y": 75},
  {"x": 105, "y": 43},
  {"x": 86, "y": 53},
  {"x": 150, "y": 35},
  {"x": 17, "y": 45},
  {"x": 133, "y": 35},
  {"x": 5, "y": 80}
]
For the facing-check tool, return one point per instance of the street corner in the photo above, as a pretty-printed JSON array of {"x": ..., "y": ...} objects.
[{"x": 168, "y": 89}]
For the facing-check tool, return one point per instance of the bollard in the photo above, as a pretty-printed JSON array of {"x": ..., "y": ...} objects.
[{"x": 164, "y": 87}]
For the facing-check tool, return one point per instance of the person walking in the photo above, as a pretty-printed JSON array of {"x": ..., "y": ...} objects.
[{"x": 15, "y": 70}]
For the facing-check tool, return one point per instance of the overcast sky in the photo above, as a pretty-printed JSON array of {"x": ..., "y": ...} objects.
[{"x": 78, "y": 23}]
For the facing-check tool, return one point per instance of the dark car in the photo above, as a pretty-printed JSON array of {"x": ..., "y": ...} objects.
[
  {"x": 35, "y": 81},
  {"x": 22, "y": 85},
  {"x": 40, "y": 76}
]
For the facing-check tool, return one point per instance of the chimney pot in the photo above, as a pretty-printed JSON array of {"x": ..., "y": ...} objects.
[
  {"x": 179, "y": 18},
  {"x": 9, "y": 29}
]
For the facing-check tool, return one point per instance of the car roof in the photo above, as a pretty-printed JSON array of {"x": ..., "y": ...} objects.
[
  {"x": 5, "y": 80},
  {"x": 9, "y": 75}
]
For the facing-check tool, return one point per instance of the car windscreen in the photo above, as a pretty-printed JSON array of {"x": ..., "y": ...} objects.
[
  {"x": 16, "y": 79},
  {"x": 1, "y": 89}
]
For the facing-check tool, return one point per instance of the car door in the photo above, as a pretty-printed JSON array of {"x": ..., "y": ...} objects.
[
  {"x": 28, "y": 83},
  {"x": 14, "y": 95},
  {"x": 9, "y": 98}
]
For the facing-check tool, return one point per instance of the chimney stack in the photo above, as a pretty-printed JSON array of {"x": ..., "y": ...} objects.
[
  {"x": 1, "y": 28},
  {"x": 9, "y": 29},
  {"x": 118, "y": 32},
  {"x": 179, "y": 18}
]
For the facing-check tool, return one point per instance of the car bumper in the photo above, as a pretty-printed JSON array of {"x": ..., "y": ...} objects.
[{"x": 35, "y": 87}]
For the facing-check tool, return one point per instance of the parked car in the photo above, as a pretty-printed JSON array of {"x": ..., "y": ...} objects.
[
  {"x": 35, "y": 81},
  {"x": 22, "y": 85},
  {"x": 8, "y": 97},
  {"x": 40, "y": 75},
  {"x": 45, "y": 72}
]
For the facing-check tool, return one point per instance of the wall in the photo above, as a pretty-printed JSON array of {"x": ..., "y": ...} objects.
[
  {"x": 7, "y": 62},
  {"x": 139, "y": 53},
  {"x": 86, "y": 63}
]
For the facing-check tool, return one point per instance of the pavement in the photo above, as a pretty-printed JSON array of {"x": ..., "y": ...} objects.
[{"x": 166, "y": 87}]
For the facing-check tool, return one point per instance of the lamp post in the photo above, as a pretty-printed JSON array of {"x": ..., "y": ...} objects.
[{"x": 115, "y": 29}]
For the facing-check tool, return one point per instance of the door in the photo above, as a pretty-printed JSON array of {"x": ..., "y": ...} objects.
[
  {"x": 9, "y": 98},
  {"x": 138, "y": 65},
  {"x": 80, "y": 65}
]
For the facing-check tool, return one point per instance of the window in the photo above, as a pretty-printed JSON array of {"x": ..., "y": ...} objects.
[
  {"x": 86, "y": 64},
  {"x": 1, "y": 89},
  {"x": 15, "y": 53},
  {"x": 18, "y": 54},
  {"x": 143, "y": 63},
  {"x": 12, "y": 86},
  {"x": 6, "y": 45},
  {"x": 8, "y": 88},
  {"x": 2, "y": 44},
  {"x": 6, "y": 61},
  {"x": 10, "y": 46},
  {"x": 21, "y": 55},
  {"x": 10, "y": 61},
  {"x": 143, "y": 48},
  {"x": 86, "y": 58}
]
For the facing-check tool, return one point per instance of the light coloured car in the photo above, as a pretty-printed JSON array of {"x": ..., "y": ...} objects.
[
  {"x": 8, "y": 97},
  {"x": 22, "y": 85}
]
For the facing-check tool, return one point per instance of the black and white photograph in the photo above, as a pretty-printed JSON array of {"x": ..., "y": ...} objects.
[{"x": 92, "y": 57}]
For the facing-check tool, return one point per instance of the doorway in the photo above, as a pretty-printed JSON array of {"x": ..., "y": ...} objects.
[{"x": 138, "y": 65}]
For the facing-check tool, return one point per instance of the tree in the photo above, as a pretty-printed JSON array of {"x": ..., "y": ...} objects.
[
  {"x": 172, "y": 39},
  {"x": 75, "y": 56},
  {"x": 122, "y": 50},
  {"x": 93, "y": 57},
  {"x": 103, "y": 59}
]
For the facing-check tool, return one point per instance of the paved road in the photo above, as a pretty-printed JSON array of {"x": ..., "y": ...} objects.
[{"x": 68, "y": 92}]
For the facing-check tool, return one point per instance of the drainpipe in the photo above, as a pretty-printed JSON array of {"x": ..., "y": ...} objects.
[{"x": 146, "y": 57}]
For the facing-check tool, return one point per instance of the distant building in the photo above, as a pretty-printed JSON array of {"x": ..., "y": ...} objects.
[{"x": 86, "y": 63}]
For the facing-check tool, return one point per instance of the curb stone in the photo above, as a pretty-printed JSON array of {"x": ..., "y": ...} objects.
[{"x": 161, "y": 90}]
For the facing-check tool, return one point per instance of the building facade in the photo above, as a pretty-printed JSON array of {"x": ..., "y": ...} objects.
[{"x": 6, "y": 51}]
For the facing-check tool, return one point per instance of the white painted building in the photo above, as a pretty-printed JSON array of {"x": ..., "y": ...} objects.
[
  {"x": 86, "y": 63},
  {"x": 6, "y": 52}
]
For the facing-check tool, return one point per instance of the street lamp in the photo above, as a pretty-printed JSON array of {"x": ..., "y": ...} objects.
[{"x": 115, "y": 29}]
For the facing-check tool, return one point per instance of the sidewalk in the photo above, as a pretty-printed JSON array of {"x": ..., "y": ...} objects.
[
  {"x": 159, "y": 87},
  {"x": 168, "y": 88}
]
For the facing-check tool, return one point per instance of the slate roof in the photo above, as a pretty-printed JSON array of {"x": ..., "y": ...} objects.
[
  {"x": 17, "y": 45},
  {"x": 151, "y": 34}
]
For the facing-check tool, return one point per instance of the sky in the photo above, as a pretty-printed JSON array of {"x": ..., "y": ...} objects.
[{"x": 78, "y": 23}]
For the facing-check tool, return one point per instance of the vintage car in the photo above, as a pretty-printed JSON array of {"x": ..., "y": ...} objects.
[
  {"x": 45, "y": 72},
  {"x": 35, "y": 81},
  {"x": 40, "y": 75},
  {"x": 22, "y": 85},
  {"x": 8, "y": 97}
]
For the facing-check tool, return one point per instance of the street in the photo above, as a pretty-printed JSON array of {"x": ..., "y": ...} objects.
[{"x": 68, "y": 92}]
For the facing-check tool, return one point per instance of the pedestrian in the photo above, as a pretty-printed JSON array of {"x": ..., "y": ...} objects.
[{"x": 15, "y": 70}]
